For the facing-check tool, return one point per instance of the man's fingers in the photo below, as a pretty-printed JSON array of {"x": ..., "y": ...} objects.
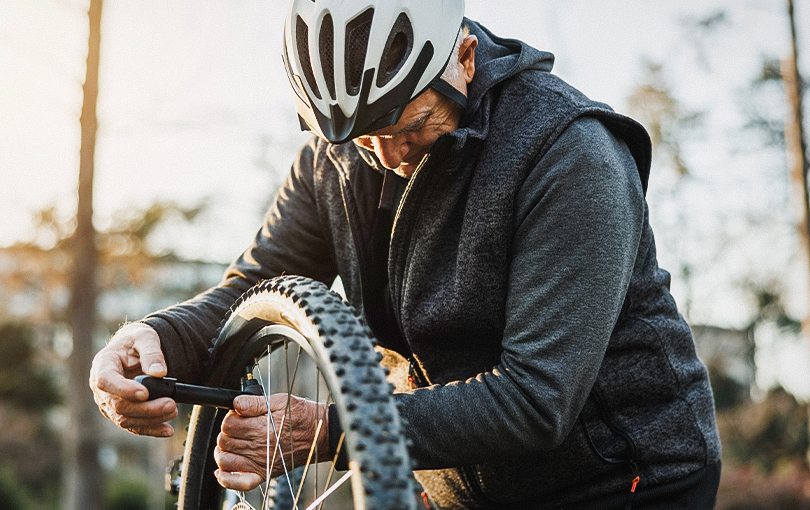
[
  {"x": 162, "y": 430},
  {"x": 153, "y": 409},
  {"x": 279, "y": 401},
  {"x": 242, "y": 446},
  {"x": 238, "y": 481},
  {"x": 249, "y": 406},
  {"x": 147, "y": 346},
  {"x": 138, "y": 347},
  {"x": 114, "y": 383},
  {"x": 133, "y": 350},
  {"x": 233, "y": 462},
  {"x": 252, "y": 428}
]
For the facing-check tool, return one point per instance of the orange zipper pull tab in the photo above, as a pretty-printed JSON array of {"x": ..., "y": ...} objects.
[{"x": 635, "y": 483}]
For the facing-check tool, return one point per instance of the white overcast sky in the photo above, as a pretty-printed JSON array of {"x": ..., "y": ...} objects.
[{"x": 195, "y": 107}]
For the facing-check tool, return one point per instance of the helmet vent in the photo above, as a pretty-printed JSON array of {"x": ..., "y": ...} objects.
[
  {"x": 302, "y": 43},
  {"x": 326, "y": 45},
  {"x": 357, "y": 35},
  {"x": 397, "y": 50}
]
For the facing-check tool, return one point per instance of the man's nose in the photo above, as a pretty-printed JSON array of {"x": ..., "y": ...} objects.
[{"x": 391, "y": 150}]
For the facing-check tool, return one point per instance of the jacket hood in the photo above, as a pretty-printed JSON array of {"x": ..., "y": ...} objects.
[{"x": 497, "y": 59}]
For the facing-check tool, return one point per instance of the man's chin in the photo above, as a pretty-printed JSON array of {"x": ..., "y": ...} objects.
[{"x": 405, "y": 170}]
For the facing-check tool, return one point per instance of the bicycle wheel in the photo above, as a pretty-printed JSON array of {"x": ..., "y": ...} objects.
[{"x": 311, "y": 344}]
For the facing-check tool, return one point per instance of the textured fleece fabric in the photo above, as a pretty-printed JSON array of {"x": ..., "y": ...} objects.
[{"x": 522, "y": 284}]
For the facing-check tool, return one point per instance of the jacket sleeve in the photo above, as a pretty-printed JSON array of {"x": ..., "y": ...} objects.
[
  {"x": 290, "y": 241},
  {"x": 578, "y": 222}
]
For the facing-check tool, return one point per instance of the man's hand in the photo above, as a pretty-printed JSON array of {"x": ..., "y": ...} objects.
[
  {"x": 241, "y": 451},
  {"x": 134, "y": 350}
]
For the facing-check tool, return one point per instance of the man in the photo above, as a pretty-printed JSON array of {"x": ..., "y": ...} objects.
[{"x": 489, "y": 221}]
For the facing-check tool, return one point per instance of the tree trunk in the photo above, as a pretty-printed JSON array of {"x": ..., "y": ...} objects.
[
  {"x": 797, "y": 151},
  {"x": 796, "y": 145},
  {"x": 84, "y": 477}
]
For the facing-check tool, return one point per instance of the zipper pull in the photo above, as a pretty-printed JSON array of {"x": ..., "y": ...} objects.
[
  {"x": 426, "y": 500},
  {"x": 636, "y": 480}
]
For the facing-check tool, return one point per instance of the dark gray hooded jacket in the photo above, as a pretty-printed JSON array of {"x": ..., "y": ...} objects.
[{"x": 521, "y": 282}]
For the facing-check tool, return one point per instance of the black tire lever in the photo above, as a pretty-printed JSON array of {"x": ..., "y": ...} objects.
[{"x": 197, "y": 395}]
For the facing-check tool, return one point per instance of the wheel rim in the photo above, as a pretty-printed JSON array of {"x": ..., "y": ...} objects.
[
  {"x": 286, "y": 363},
  {"x": 307, "y": 325}
]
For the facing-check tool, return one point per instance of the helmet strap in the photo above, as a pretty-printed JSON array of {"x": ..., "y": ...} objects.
[{"x": 449, "y": 91}]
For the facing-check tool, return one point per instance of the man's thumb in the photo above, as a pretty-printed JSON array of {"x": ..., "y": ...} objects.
[
  {"x": 249, "y": 406},
  {"x": 148, "y": 346}
]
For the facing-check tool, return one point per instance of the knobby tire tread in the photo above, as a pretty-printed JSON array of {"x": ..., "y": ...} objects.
[{"x": 343, "y": 347}]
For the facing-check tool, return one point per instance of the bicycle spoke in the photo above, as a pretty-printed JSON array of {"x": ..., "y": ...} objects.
[
  {"x": 266, "y": 490},
  {"x": 306, "y": 466},
  {"x": 320, "y": 501},
  {"x": 277, "y": 449},
  {"x": 290, "y": 382},
  {"x": 332, "y": 471},
  {"x": 323, "y": 419}
]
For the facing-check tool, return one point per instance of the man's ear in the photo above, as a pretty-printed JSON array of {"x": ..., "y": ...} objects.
[{"x": 466, "y": 57}]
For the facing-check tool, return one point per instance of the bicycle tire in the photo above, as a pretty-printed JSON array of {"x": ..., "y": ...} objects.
[{"x": 297, "y": 311}]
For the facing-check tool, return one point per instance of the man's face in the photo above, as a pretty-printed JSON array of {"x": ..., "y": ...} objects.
[{"x": 402, "y": 147}]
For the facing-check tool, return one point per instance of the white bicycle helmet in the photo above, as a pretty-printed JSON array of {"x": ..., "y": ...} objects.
[{"x": 355, "y": 64}]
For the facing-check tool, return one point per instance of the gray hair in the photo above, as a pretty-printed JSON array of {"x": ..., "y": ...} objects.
[{"x": 451, "y": 71}]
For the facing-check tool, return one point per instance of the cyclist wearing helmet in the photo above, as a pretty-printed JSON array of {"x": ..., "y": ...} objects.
[{"x": 489, "y": 222}]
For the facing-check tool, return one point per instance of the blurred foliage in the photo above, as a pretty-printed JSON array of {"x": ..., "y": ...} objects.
[
  {"x": 131, "y": 230},
  {"x": 13, "y": 496},
  {"x": 667, "y": 120},
  {"x": 700, "y": 33},
  {"x": 28, "y": 393},
  {"x": 765, "y": 435},
  {"x": 764, "y": 454},
  {"x": 129, "y": 233},
  {"x": 127, "y": 493},
  {"x": 744, "y": 488},
  {"x": 764, "y": 104},
  {"x": 25, "y": 383},
  {"x": 770, "y": 306},
  {"x": 51, "y": 229},
  {"x": 728, "y": 392}
]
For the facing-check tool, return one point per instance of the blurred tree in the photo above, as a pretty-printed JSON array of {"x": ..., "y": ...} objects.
[
  {"x": 786, "y": 130},
  {"x": 700, "y": 32},
  {"x": 763, "y": 104},
  {"x": 84, "y": 477},
  {"x": 129, "y": 493},
  {"x": 12, "y": 495},
  {"x": 797, "y": 145},
  {"x": 130, "y": 233},
  {"x": 131, "y": 230},
  {"x": 728, "y": 392},
  {"x": 28, "y": 392},
  {"x": 24, "y": 382},
  {"x": 669, "y": 123},
  {"x": 771, "y": 306},
  {"x": 127, "y": 256}
]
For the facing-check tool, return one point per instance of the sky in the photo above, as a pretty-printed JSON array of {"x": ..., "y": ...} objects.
[{"x": 195, "y": 108}]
